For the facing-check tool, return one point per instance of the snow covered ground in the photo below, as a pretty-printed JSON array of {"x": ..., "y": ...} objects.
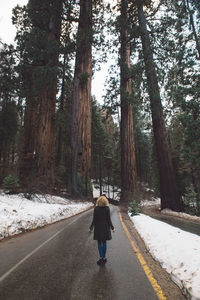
[
  {"x": 154, "y": 202},
  {"x": 177, "y": 251},
  {"x": 18, "y": 214}
]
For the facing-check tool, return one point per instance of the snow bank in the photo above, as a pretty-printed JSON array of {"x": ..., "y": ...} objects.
[
  {"x": 153, "y": 202},
  {"x": 177, "y": 251},
  {"x": 17, "y": 214}
]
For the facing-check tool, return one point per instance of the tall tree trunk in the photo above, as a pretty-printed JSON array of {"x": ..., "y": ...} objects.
[
  {"x": 45, "y": 137},
  {"x": 46, "y": 123},
  {"x": 81, "y": 103},
  {"x": 128, "y": 161},
  {"x": 168, "y": 192}
]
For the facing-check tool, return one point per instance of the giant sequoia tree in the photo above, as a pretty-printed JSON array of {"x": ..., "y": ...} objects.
[
  {"x": 81, "y": 103},
  {"x": 168, "y": 192},
  {"x": 46, "y": 128},
  {"x": 45, "y": 31},
  {"x": 128, "y": 163}
]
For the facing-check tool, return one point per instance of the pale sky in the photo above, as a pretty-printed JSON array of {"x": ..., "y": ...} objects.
[{"x": 8, "y": 31}]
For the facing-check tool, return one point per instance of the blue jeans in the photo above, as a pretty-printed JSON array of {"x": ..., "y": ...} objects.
[{"x": 102, "y": 249}]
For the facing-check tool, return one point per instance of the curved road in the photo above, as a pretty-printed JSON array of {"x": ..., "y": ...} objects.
[{"x": 59, "y": 262}]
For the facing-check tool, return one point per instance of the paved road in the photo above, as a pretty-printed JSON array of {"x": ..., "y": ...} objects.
[{"x": 59, "y": 262}]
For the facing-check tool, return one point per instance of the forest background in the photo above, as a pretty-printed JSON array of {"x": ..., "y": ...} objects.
[{"x": 55, "y": 136}]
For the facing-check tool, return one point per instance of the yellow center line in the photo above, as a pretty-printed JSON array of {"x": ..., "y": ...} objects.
[{"x": 144, "y": 265}]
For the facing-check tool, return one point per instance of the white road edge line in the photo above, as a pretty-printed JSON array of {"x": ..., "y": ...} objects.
[{"x": 32, "y": 252}]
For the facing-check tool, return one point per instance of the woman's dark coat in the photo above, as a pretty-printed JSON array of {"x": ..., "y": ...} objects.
[{"x": 102, "y": 223}]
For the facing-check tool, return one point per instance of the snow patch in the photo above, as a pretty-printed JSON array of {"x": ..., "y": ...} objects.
[
  {"x": 18, "y": 214},
  {"x": 177, "y": 251},
  {"x": 153, "y": 202}
]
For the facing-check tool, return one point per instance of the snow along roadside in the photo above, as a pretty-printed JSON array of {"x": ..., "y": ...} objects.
[
  {"x": 18, "y": 214},
  {"x": 176, "y": 250}
]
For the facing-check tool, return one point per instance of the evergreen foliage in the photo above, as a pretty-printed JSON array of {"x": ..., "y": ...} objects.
[
  {"x": 190, "y": 200},
  {"x": 9, "y": 109},
  {"x": 134, "y": 209},
  {"x": 10, "y": 183}
]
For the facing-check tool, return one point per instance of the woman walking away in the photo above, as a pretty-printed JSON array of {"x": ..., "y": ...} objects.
[{"x": 102, "y": 225}]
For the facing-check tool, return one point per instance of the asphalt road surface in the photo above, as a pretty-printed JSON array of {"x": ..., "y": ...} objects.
[{"x": 59, "y": 262}]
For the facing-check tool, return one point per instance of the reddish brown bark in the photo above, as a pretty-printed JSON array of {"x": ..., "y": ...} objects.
[
  {"x": 128, "y": 162},
  {"x": 46, "y": 123},
  {"x": 45, "y": 137},
  {"x": 41, "y": 83},
  {"x": 81, "y": 102},
  {"x": 168, "y": 192}
]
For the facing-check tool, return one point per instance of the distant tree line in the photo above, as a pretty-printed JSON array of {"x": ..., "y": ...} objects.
[{"x": 54, "y": 136}]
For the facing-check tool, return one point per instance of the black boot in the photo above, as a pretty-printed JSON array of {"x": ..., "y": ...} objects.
[{"x": 100, "y": 261}]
